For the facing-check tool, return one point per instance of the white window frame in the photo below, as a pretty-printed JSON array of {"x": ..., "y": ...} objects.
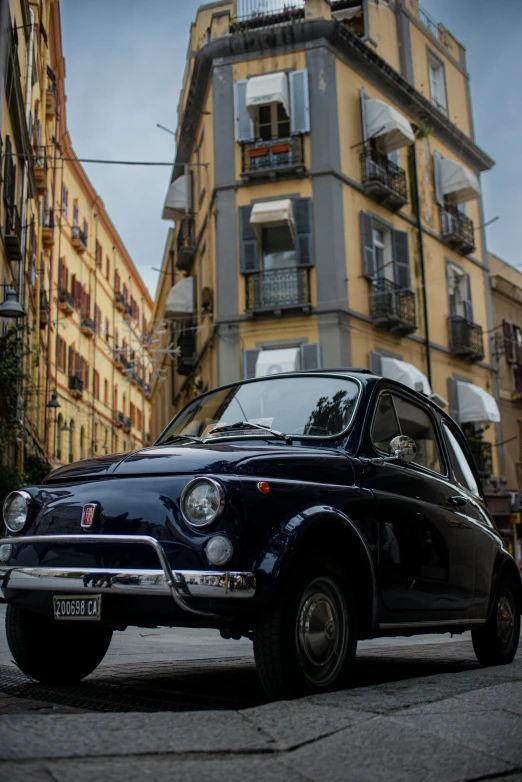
[
  {"x": 437, "y": 81},
  {"x": 386, "y": 271}
]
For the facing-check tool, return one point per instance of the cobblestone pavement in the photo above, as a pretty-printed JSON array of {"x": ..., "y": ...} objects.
[{"x": 415, "y": 711}]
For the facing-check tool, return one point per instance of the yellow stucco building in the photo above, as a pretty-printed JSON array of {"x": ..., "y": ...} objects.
[
  {"x": 86, "y": 385},
  {"x": 327, "y": 207}
]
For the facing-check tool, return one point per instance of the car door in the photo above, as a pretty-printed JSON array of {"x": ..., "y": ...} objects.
[
  {"x": 468, "y": 497},
  {"x": 426, "y": 559}
]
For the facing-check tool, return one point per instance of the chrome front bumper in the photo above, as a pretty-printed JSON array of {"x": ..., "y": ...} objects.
[{"x": 178, "y": 584}]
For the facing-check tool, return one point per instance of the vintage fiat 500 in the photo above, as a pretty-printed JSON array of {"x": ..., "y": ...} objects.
[{"x": 304, "y": 511}]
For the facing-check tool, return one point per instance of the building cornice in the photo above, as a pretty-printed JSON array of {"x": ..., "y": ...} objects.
[{"x": 344, "y": 43}]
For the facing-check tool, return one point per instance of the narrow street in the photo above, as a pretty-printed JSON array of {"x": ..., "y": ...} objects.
[{"x": 173, "y": 703}]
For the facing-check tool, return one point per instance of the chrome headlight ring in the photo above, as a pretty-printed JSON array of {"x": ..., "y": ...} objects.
[
  {"x": 16, "y": 510},
  {"x": 209, "y": 507}
]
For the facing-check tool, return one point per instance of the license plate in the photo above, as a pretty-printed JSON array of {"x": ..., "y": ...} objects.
[{"x": 83, "y": 608}]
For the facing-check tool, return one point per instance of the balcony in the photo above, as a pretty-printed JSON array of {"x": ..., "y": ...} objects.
[
  {"x": 186, "y": 245},
  {"x": 50, "y": 102},
  {"x": 12, "y": 233},
  {"x": 87, "y": 326},
  {"x": 465, "y": 338},
  {"x": 127, "y": 312},
  {"x": 125, "y": 422},
  {"x": 252, "y": 18},
  {"x": 40, "y": 169},
  {"x": 187, "y": 358},
  {"x": 392, "y": 308},
  {"x": 277, "y": 289},
  {"x": 121, "y": 360},
  {"x": 482, "y": 453},
  {"x": 79, "y": 239},
  {"x": 382, "y": 180},
  {"x": 44, "y": 309},
  {"x": 75, "y": 386},
  {"x": 273, "y": 159},
  {"x": 119, "y": 301},
  {"x": 457, "y": 230},
  {"x": 48, "y": 228},
  {"x": 117, "y": 418},
  {"x": 65, "y": 301}
]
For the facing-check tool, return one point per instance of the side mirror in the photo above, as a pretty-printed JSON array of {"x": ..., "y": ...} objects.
[{"x": 403, "y": 449}]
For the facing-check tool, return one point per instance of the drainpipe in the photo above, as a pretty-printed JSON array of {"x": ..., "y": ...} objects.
[{"x": 415, "y": 182}]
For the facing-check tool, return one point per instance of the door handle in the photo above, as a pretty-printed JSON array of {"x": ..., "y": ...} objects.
[{"x": 458, "y": 502}]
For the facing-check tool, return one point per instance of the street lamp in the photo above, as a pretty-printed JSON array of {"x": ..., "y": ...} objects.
[
  {"x": 54, "y": 404},
  {"x": 105, "y": 448},
  {"x": 11, "y": 308}
]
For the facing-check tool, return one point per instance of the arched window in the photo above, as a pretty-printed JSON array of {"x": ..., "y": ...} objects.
[
  {"x": 71, "y": 441},
  {"x": 82, "y": 443}
]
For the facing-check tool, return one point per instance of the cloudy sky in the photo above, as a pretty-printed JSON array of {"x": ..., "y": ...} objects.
[{"x": 124, "y": 65}]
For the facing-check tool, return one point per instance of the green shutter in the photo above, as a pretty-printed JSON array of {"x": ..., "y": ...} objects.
[
  {"x": 453, "y": 397},
  {"x": 299, "y": 102},
  {"x": 401, "y": 260},
  {"x": 363, "y": 115},
  {"x": 375, "y": 362},
  {"x": 437, "y": 175},
  {"x": 244, "y": 125},
  {"x": 249, "y": 362},
  {"x": 311, "y": 356},
  {"x": 368, "y": 258},
  {"x": 249, "y": 251},
  {"x": 303, "y": 231},
  {"x": 468, "y": 304}
]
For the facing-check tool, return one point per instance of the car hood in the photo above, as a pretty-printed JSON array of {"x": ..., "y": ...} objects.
[{"x": 280, "y": 460}]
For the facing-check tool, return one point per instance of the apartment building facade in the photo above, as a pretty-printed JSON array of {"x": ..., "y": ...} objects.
[
  {"x": 326, "y": 198},
  {"x": 85, "y": 389}
]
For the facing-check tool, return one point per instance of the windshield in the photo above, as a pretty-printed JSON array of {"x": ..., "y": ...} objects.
[{"x": 302, "y": 405}]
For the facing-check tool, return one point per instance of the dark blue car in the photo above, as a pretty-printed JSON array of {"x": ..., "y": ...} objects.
[{"x": 304, "y": 511}]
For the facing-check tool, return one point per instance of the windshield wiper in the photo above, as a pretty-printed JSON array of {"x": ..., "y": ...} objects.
[
  {"x": 174, "y": 437},
  {"x": 248, "y": 425}
]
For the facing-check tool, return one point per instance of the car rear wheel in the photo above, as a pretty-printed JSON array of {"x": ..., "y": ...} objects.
[
  {"x": 497, "y": 642},
  {"x": 54, "y": 652},
  {"x": 306, "y": 642}
]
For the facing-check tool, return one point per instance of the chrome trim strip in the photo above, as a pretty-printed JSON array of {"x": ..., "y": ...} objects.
[
  {"x": 193, "y": 583},
  {"x": 438, "y": 623},
  {"x": 179, "y": 586}
]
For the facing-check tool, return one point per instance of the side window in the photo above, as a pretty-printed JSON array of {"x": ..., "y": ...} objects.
[
  {"x": 416, "y": 423},
  {"x": 385, "y": 424},
  {"x": 459, "y": 464}
]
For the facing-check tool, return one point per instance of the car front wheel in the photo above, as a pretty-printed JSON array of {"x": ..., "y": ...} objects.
[
  {"x": 496, "y": 643},
  {"x": 306, "y": 642},
  {"x": 53, "y": 652}
]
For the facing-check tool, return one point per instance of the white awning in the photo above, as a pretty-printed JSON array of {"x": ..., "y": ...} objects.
[
  {"x": 405, "y": 373},
  {"x": 273, "y": 362},
  {"x": 476, "y": 406},
  {"x": 266, "y": 214},
  {"x": 459, "y": 184},
  {"x": 347, "y": 13},
  {"x": 177, "y": 201},
  {"x": 388, "y": 125},
  {"x": 180, "y": 300},
  {"x": 268, "y": 88}
]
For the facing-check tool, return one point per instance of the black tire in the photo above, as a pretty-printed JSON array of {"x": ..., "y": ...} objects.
[
  {"x": 54, "y": 652},
  {"x": 293, "y": 661},
  {"x": 496, "y": 643}
]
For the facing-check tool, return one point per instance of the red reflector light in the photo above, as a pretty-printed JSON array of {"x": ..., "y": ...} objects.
[{"x": 263, "y": 487}]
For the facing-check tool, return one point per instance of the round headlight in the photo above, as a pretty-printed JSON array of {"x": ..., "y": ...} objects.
[
  {"x": 219, "y": 550},
  {"x": 16, "y": 510},
  {"x": 6, "y": 552},
  {"x": 202, "y": 501}
]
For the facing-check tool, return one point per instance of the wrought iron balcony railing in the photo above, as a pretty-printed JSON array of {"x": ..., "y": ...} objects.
[
  {"x": 79, "y": 239},
  {"x": 466, "y": 340},
  {"x": 75, "y": 385},
  {"x": 65, "y": 300},
  {"x": 251, "y": 17},
  {"x": 187, "y": 358},
  {"x": 119, "y": 301},
  {"x": 457, "y": 230},
  {"x": 274, "y": 158},
  {"x": 121, "y": 360},
  {"x": 87, "y": 326},
  {"x": 277, "y": 288},
  {"x": 13, "y": 233},
  {"x": 482, "y": 453},
  {"x": 383, "y": 180},
  {"x": 124, "y": 422},
  {"x": 392, "y": 307}
]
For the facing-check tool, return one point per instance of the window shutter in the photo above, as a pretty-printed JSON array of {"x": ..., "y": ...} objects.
[
  {"x": 363, "y": 116},
  {"x": 311, "y": 356},
  {"x": 303, "y": 231},
  {"x": 244, "y": 125},
  {"x": 375, "y": 362},
  {"x": 453, "y": 399},
  {"x": 395, "y": 157},
  {"x": 401, "y": 260},
  {"x": 468, "y": 304},
  {"x": 299, "y": 102},
  {"x": 249, "y": 362},
  {"x": 249, "y": 251},
  {"x": 509, "y": 341},
  {"x": 368, "y": 259},
  {"x": 452, "y": 305},
  {"x": 437, "y": 174}
]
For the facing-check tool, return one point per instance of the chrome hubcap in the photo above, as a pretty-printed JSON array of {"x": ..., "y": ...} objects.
[
  {"x": 505, "y": 620},
  {"x": 322, "y": 631}
]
